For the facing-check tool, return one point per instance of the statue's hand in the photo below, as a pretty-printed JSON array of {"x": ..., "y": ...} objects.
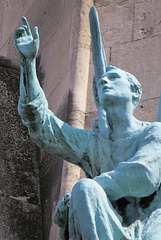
[{"x": 27, "y": 44}]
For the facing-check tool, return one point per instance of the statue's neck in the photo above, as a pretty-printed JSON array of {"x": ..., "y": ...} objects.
[{"x": 121, "y": 122}]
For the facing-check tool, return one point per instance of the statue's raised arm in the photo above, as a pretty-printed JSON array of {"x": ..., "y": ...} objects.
[{"x": 49, "y": 132}]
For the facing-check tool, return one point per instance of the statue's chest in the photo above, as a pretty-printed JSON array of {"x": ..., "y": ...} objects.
[{"x": 113, "y": 152}]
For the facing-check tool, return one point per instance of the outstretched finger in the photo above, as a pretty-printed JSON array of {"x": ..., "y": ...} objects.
[
  {"x": 25, "y": 22},
  {"x": 15, "y": 37},
  {"x": 35, "y": 33}
]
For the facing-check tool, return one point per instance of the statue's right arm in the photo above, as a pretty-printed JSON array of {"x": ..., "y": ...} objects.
[{"x": 44, "y": 127}]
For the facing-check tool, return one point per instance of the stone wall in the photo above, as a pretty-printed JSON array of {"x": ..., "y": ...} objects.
[
  {"x": 20, "y": 204},
  {"x": 131, "y": 33}
]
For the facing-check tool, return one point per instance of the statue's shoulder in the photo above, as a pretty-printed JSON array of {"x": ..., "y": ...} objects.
[
  {"x": 152, "y": 129},
  {"x": 155, "y": 126}
]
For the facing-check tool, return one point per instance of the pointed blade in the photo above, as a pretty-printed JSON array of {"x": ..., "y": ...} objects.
[
  {"x": 98, "y": 53},
  {"x": 159, "y": 111}
]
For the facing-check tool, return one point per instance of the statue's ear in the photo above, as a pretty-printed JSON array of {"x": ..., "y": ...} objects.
[{"x": 136, "y": 94}]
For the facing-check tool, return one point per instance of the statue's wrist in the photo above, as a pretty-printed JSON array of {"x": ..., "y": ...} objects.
[{"x": 28, "y": 60}]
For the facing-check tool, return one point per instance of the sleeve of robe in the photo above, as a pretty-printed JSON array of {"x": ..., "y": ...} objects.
[
  {"x": 140, "y": 176},
  {"x": 52, "y": 134}
]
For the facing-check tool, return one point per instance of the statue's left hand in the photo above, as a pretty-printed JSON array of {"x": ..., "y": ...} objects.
[{"x": 27, "y": 44}]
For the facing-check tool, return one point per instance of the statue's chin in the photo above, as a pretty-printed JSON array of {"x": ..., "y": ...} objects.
[{"x": 107, "y": 101}]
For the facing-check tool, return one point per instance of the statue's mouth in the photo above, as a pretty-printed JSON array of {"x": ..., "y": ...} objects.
[{"x": 106, "y": 88}]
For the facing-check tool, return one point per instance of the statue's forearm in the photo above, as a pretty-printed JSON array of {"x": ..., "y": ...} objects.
[
  {"x": 29, "y": 84},
  {"x": 134, "y": 179}
]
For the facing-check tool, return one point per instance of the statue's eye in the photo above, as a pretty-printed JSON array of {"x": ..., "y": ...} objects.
[{"x": 113, "y": 76}]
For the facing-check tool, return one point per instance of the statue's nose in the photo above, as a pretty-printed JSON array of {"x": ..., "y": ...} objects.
[{"x": 103, "y": 81}]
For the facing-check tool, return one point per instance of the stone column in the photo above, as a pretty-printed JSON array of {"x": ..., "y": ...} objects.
[{"x": 79, "y": 73}]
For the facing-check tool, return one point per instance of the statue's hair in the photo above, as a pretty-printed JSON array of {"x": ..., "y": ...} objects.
[{"x": 135, "y": 88}]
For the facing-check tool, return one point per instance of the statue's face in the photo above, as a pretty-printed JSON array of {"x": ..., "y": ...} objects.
[{"x": 114, "y": 88}]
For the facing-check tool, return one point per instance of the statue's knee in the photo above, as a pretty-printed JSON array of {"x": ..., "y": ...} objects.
[{"x": 84, "y": 186}]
